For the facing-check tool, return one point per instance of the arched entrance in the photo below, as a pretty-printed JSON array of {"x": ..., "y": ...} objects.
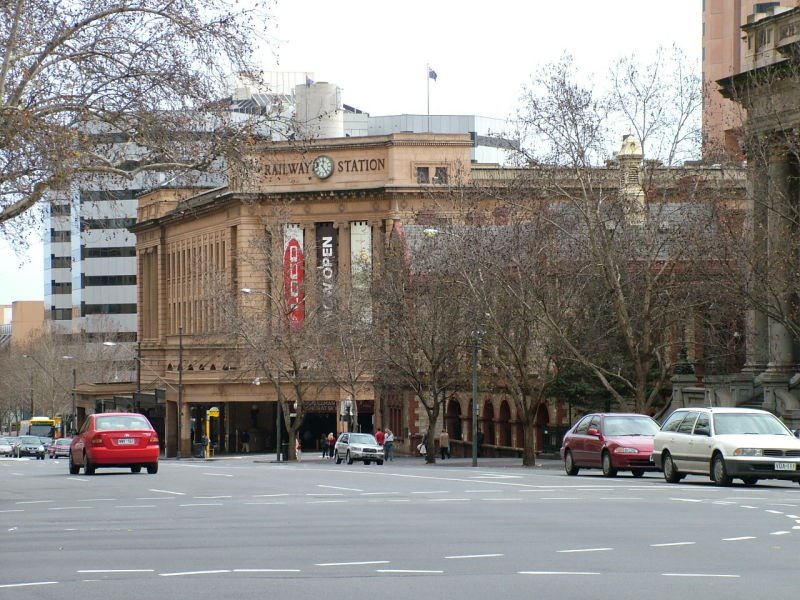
[
  {"x": 504, "y": 425},
  {"x": 487, "y": 423},
  {"x": 540, "y": 424},
  {"x": 452, "y": 420}
]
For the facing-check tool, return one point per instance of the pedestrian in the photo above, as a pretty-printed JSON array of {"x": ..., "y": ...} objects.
[
  {"x": 298, "y": 449},
  {"x": 388, "y": 444},
  {"x": 422, "y": 447},
  {"x": 331, "y": 444},
  {"x": 246, "y": 442},
  {"x": 480, "y": 441},
  {"x": 323, "y": 445},
  {"x": 380, "y": 437},
  {"x": 444, "y": 444}
]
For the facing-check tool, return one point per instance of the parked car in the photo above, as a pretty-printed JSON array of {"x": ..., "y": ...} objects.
[
  {"x": 6, "y": 446},
  {"x": 59, "y": 447},
  {"x": 358, "y": 446},
  {"x": 726, "y": 443},
  {"x": 46, "y": 442},
  {"x": 29, "y": 445},
  {"x": 125, "y": 440},
  {"x": 612, "y": 442}
]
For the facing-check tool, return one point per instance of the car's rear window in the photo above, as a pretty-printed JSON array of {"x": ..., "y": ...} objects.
[{"x": 116, "y": 423}]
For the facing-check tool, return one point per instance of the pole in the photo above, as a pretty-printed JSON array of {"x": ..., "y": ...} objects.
[
  {"x": 74, "y": 404},
  {"x": 475, "y": 347},
  {"x": 180, "y": 389},
  {"x": 428, "y": 80}
]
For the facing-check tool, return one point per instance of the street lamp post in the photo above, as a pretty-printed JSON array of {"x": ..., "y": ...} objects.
[{"x": 475, "y": 350}]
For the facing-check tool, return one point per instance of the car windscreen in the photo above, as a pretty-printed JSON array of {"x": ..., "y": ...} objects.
[
  {"x": 362, "y": 438},
  {"x": 116, "y": 423},
  {"x": 629, "y": 426},
  {"x": 29, "y": 439},
  {"x": 748, "y": 423}
]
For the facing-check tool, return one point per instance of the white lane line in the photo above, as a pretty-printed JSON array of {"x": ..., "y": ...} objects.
[
  {"x": 672, "y": 544},
  {"x": 398, "y": 500},
  {"x": 265, "y": 503},
  {"x": 85, "y": 571},
  {"x": 167, "y": 492},
  {"x": 266, "y": 570},
  {"x": 557, "y": 573},
  {"x": 475, "y": 556},
  {"x": 723, "y": 502},
  {"x": 409, "y": 571},
  {"x": 350, "y": 564},
  {"x": 686, "y": 499},
  {"x": 738, "y": 539},
  {"x": 747, "y": 497},
  {"x": 780, "y": 532},
  {"x": 178, "y": 574},
  {"x": 502, "y": 499},
  {"x": 793, "y": 516},
  {"x": 218, "y": 474},
  {"x": 157, "y": 498},
  {"x": 700, "y": 575},
  {"x": 77, "y": 479},
  {"x": 616, "y": 498},
  {"x": 557, "y": 498},
  {"x": 200, "y": 504},
  {"x": 796, "y": 527},
  {"x": 379, "y": 493},
  {"x": 584, "y": 550},
  {"x": 10, "y": 510},
  {"x": 774, "y": 512},
  {"x": 33, "y": 501},
  {"x": 70, "y": 508},
  {"x": 490, "y": 491},
  {"x": 746, "y": 506},
  {"x": 324, "y": 494},
  {"x": 344, "y": 489},
  {"x": 16, "y": 585},
  {"x": 432, "y": 492},
  {"x": 782, "y": 504}
]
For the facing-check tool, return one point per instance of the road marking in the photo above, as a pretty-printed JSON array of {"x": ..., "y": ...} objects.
[
  {"x": 686, "y": 499},
  {"x": 557, "y": 573},
  {"x": 10, "y": 510},
  {"x": 502, "y": 499},
  {"x": 700, "y": 575},
  {"x": 266, "y": 570},
  {"x": 747, "y": 506},
  {"x": 325, "y": 494},
  {"x": 618, "y": 498},
  {"x": 105, "y": 499},
  {"x": 85, "y": 571},
  {"x": 475, "y": 556},
  {"x": 793, "y": 516},
  {"x": 557, "y": 498},
  {"x": 194, "y": 573},
  {"x": 738, "y": 539},
  {"x": 490, "y": 491},
  {"x": 350, "y": 564},
  {"x": 69, "y": 508},
  {"x": 379, "y": 493},
  {"x": 672, "y": 544},
  {"x": 774, "y": 512},
  {"x": 15, "y": 585},
  {"x": 333, "y": 487},
  {"x": 269, "y": 495},
  {"x": 218, "y": 474},
  {"x": 167, "y": 492},
  {"x": 780, "y": 532},
  {"x": 33, "y": 501},
  {"x": 327, "y": 502},
  {"x": 157, "y": 498},
  {"x": 432, "y": 492},
  {"x": 264, "y": 503},
  {"x": 585, "y": 550},
  {"x": 409, "y": 571}
]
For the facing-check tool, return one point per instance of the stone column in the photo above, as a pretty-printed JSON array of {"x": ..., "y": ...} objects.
[
  {"x": 781, "y": 359},
  {"x": 756, "y": 324}
]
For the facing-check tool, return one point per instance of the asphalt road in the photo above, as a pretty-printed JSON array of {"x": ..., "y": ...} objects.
[{"x": 249, "y": 528}]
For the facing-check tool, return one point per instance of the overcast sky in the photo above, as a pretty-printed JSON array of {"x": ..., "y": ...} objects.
[{"x": 482, "y": 52}]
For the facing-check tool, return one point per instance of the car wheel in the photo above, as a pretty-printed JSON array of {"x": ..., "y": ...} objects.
[
  {"x": 608, "y": 468},
  {"x": 136, "y": 469},
  {"x": 366, "y": 462},
  {"x": 152, "y": 468},
  {"x": 569, "y": 464},
  {"x": 719, "y": 475},
  {"x": 750, "y": 481},
  {"x": 671, "y": 474},
  {"x": 73, "y": 468},
  {"x": 88, "y": 467},
  {"x": 379, "y": 462},
  {"x": 338, "y": 458},
  {"x": 637, "y": 473},
  {"x": 349, "y": 458}
]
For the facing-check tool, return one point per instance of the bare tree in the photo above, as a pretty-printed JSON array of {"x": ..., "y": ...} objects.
[{"x": 116, "y": 89}]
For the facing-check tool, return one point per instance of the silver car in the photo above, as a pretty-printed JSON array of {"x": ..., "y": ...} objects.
[
  {"x": 29, "y": 445},
  {"x": 6, "y": 446},
  {"x": 726, "y": 443},
  {"x": 358, "y": 446}
]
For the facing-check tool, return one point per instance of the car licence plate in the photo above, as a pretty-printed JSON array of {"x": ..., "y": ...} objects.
[
  {"x": 131, "y": 441},
  {"x": 785, "y": 466}
]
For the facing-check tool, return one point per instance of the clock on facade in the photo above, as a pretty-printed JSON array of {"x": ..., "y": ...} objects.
[{"x": 323, "y": 166}]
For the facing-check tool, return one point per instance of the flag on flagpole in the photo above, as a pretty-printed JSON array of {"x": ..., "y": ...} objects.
[
  {"x": 309, "y": 81},
  {"x": 432, "y": 74}
]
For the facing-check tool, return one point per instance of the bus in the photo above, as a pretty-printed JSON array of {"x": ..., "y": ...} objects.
[{"x": 42, "y": 426}]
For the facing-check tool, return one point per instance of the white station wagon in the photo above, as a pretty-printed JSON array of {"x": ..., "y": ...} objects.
[{"x": 726, "y": 443}]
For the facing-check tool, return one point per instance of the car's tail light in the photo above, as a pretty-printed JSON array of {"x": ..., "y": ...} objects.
[
  {"x": 153, "y": 440},
  {"x": 97, "y": 441}
]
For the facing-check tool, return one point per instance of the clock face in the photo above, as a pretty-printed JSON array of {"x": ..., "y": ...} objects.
[{"x": 323, "y": 166}]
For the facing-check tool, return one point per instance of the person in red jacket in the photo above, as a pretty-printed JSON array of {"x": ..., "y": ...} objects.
[{"x": 380, "y": 437}]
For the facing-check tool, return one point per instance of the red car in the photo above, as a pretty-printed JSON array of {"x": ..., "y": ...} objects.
[
  {"x": 125, "y": 440},
  {"x": 612, "y": 442}
]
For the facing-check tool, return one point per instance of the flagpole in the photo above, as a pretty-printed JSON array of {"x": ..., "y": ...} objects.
[{"x": 428, "y": 79}]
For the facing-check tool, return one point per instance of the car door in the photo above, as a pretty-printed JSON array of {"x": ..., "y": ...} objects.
[
  {"x": 593, "y": 446},
  {"x": 682, "y": 445},
  {"x": 700, "y": 445},
  {"x": 577, "y": 443}
]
